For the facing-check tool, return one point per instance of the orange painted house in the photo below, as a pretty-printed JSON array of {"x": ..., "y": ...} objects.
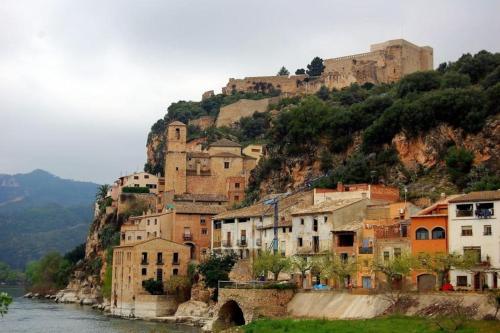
[{"x": 429, "y": 234}]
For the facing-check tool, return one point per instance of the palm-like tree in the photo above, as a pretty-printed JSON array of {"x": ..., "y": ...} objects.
[{"x": 102, "y": 192}]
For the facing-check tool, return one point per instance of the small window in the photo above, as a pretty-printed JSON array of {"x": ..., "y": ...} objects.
[
  {"x": 129, "y": 237},
  {"x": 136, "y": 185},
  {"x": 236, "y": 185},
  {"x": 226, "y": 165},
  {"x": 422, "y": 234},
  {"x": 156, "y": 222},
  {"x": 159, "y": 274},
  {"x": 139, "y": 237},
  {"x": 176, "y": 168},
  {"x": 175, "y": 271},
  {"x": 438, "y": 233},
  {"x": 302, "y": 221},
  {"x": 144, "y": 271},
  {"x": 136, "y": 177},
  {"x": 462, "y": 281},
  {"x": 202, "y": 220},
  {"x": 299, "y": 241},
  {"x": 204, "y": 231},
  {"x": 290, "y": 229},
  {"x": 148, "y": 222},
  {"x": 283, "y": 229},
  {"x": 146, "y": 176},
  {"x": 326, "y": 219},
  {"x": 397, "y": 252},
  {"x": 467, "y": 230},
  {"x": 485, "y": 210},
  {"x": 236, "y": 198},
  {"x": 177, "y": 133},
  {"x": 487, "y": 230},
  {"x": 315, "y": 225},
  {"x": 386, "y": 256},
  {"x": 175, "y": 258}
]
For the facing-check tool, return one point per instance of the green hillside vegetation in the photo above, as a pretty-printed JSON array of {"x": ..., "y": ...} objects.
[
  {"x": 461, "y": 94},
  {"x": 53, "y": 215}
]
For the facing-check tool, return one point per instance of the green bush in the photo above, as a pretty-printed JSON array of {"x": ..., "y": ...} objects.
[
  {"x": 128, "y": 189},
  {"x": 153, "y": 286},
  {"x": 459, "y": 163}
]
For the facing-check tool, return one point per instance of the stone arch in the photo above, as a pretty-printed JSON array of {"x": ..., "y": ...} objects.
[
  {"x": 230, "y": 314},
  {"x": 192, "y": 249}
]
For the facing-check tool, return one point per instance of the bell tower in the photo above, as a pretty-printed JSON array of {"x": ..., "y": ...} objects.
[{"x": 175, "y": 158}]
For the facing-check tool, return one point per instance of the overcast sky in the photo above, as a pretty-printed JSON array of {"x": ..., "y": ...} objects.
[{"x": 81, "y": 82}]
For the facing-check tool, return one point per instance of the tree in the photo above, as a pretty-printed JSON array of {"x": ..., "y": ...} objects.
[
  {"x": 283, "y": 71},
  {"x": 102, "y": 192},
  {"x": 300, "y": 71},
  {"x": 49, "y": 273},
  {"x": 323, "y": 93},
  {"x": 217, "y": 268},
  {"x": 455, "y": 80},
  {"x": 418, "y": 82},
  {"x": 458, "y": 164},
  {"x": 441, "y": 264},
  {"x": 268, "y": 261},
  {"x": 316, "y": 67},
  {"x": 340, "y": 269},
  {"x": 396, "y": 268},
  {"x": 5, "y": 301},
  {"x": 153, "y": 286},
  {"x": 301, "y": 264},
  {"x": 494, "y": 299},
  {"x": 75, "y": 255}
]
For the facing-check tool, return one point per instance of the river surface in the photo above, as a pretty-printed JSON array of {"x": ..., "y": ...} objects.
[{"x": 26, "y": 315}]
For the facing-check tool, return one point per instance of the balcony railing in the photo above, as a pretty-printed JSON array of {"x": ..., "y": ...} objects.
[
  {"x": 485, "y": 213},
  {"x": 242, "y": 242},
  {"x": 160, "y": 262},
  {"x": 175, "y": 262},
  {"x": 144, "y": 262},
  {"x": 227, "y": 243},
  {"x": 365, "y": 250},
  {"x": 187, "y": 237}
]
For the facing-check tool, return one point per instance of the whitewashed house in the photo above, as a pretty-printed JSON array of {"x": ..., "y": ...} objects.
[{"x": 473, "y": 228}]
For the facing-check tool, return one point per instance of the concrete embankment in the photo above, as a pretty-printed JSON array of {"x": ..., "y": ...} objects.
[{"x": 336, "y": 305}]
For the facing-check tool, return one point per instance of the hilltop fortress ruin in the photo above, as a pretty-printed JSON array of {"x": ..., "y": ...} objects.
[{"x": 386, "y": 62}]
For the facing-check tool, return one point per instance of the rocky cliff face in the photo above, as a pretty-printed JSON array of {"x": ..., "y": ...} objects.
[{"x": 426, "y": 151}]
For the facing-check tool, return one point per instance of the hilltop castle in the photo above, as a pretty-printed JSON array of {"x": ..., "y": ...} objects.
[{"x": 386, "y": 62}]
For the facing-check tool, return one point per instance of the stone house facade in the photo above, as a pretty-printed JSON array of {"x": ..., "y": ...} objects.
[
  {"x": 157, "y": 259},
  {"x": 222, "y": 170}
]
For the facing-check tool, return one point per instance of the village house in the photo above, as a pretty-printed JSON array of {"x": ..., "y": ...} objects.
[
  {"x": 248, "y": 230},
  {"x": 133, "y": 263},
  {"x": 473, "y": 229},
  {"x": 373, "y": 192},
  {"x": 429, "y": 235}
]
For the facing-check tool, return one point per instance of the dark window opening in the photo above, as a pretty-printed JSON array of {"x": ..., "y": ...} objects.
[
  {"x": 299, "y": 242},
  {"x": 144, "y": 271},
  {"x": 315, "y": 225},
  {"x": 144, "y": 258},
  {"x": 345, "y": 240},
  {"x": 438, "y": 233},
  {"x": 159, "y": 258},
  {"x": 159, "y": 274},
  {"x": 175, "y": 259},
  {"x": 462, "y": 281},
  {"x": 422, "y": 234},
  {"x": 464, "y": 210}
]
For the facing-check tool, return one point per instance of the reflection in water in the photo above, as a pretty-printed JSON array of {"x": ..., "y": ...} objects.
[{"x": 45, "y": 316}]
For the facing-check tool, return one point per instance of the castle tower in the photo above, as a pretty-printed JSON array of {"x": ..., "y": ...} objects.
[{"x": 175, "y": 158}]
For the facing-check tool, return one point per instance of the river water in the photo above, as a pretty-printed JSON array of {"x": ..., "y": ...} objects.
[{"x": 26, "y": 315}]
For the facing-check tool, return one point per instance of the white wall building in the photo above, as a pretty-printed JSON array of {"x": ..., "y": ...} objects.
[
  {"x": 312, "y": 226},
  {"x": 473, "y": 228}
]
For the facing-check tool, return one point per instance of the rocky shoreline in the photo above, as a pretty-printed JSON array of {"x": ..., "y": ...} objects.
[{"x": 191, "y": 313}]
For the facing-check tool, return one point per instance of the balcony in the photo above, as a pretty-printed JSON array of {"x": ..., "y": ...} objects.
[
  {"x": 242, "y": 242},
  {"x": 227, "y": 243},
  {"x": 144, "y": 262},
  {"x": 486, "y": 213},
  {"x": 160, "y": 262},
  {"x": 187, "y": 237},
  {"x": 217, "y": 244},
  {"x": 365, "y": 250},
  {"x": 176, "y": 262}
]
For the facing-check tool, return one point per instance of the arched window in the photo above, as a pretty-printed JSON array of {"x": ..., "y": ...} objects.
[
  {"x": 438, "y": 233},
  {"x": 422, "y": 234},
  {"x": 177, "y": 133}
]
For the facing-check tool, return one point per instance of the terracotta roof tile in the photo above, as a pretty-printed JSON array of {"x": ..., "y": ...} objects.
[
  {"x": 176, "y": 123},
  {"x": 478, "y": 196},
  {"x": 325, "y": 206}
]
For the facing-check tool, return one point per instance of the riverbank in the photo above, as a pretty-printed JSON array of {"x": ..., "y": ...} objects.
[
  {"x": 392, "y": 324},
  {"x": 42, "y": 315}
]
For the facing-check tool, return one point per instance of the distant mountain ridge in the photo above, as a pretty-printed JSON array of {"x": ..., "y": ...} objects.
[{"x": 40, "y": 212}]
